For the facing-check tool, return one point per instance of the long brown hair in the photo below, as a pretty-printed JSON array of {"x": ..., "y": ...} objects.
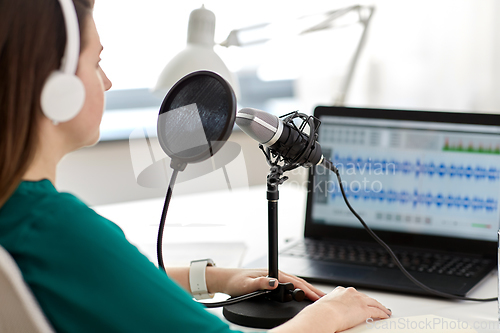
[{"x": 32, "y": 41}]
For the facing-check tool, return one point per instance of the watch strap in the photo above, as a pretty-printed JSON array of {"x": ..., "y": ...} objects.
[{"x": 197, "y": 278}]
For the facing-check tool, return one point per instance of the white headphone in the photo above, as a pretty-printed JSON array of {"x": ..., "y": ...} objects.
[{"x": 63, "y": 94}]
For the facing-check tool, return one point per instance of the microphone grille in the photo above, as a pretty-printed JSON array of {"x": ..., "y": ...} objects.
[{"x": 259, "y": 125}]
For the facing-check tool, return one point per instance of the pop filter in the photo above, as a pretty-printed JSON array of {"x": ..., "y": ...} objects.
[{"x": 196, "y": 118}]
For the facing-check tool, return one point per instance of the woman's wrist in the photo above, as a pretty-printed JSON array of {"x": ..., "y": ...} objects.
[{"x": 216, "y": 278}]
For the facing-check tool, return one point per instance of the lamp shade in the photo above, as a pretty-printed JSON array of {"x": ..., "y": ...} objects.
[{"x": 198, "y": 55}]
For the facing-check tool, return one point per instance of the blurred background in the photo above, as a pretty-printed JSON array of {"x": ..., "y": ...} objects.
[{"x": 418, "y": 54}]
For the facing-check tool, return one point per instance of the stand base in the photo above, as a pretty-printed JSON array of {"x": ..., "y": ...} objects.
[{"x": 260, "y": 312}]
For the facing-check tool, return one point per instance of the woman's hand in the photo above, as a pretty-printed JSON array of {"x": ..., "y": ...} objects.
[
  {"x": 341, "y": 309},
  {"x": 236, "y": 282}
]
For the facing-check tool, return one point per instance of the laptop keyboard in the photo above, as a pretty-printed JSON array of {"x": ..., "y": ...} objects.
[{"x": 436, "y": 263}]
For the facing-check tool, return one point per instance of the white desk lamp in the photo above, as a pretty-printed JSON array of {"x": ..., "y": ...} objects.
[{"x": 199, "y": 54}]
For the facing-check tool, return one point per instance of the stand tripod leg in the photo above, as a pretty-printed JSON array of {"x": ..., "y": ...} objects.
[{"x": 261, "y": 312}]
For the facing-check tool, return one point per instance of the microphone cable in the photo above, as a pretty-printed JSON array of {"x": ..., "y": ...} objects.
[
  {"x": 329, "y": 165},
  {"x": 159, "y": 251},
  {"x": 159, "y": 240},
  {"x": 234, "y": 300}
]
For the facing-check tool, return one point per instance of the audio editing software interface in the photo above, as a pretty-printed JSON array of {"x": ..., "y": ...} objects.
[{"x": 404, "y": 176}]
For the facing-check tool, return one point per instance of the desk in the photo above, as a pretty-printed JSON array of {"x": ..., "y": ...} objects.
[{"x": 240, "y": 217}]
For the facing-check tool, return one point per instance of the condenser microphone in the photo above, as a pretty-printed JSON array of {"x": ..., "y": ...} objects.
[{"x": 280, "y": 137}]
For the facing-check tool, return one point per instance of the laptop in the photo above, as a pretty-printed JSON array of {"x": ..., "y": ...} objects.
[{"x": 427, "y": 183}]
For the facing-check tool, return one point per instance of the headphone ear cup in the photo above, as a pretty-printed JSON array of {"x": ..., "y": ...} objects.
[{"x": 62, "y": 97}]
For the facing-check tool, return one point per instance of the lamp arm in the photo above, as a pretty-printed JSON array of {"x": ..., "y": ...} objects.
[
  {"x": 340, "y": 100},
  {"x": 331, "y": 16},
  {"x": 233, "y": 39}
]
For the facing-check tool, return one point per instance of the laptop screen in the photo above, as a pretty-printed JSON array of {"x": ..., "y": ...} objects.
[{"x": 419, "y": 176}]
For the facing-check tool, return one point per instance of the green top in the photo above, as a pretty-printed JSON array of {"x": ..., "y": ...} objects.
[{"x": 84, "y": 273}]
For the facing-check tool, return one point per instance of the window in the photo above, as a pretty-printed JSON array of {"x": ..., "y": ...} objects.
[{"x": 420, "y": 54}]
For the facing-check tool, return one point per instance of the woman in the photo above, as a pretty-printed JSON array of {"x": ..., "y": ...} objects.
[{"x": 81, "y": 269}]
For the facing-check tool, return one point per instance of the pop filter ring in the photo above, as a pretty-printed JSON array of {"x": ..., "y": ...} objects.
[{"x": 214, "y": 145}]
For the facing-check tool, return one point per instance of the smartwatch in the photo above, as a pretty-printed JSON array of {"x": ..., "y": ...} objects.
[{"x": 197, "y": 279}]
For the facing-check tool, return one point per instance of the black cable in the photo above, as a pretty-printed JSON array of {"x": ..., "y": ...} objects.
[
  {"x": 235, "y": 300},
  {"x": 159, "y": 240},
  {"x": 159, "y": 250},
  {"x": 331, "y": 167}
]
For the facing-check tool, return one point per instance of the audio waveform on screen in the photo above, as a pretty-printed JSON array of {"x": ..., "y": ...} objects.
[
  {"x": 390, "y": 166},
  {"x": 416, "y": 198}
]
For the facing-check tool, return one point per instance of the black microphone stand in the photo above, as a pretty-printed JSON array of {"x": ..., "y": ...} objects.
[
  {"x": 273, "y": 181},
  {"x": 284, "y": 302}
]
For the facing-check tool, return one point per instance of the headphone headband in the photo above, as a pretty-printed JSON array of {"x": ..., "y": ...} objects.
[
  {"x": 71, "y": 52},
  {"x": 63, "y": 94}
]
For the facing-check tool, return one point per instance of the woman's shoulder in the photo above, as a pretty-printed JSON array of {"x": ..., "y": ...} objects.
[
  {"x": 33, "y": 194},
  {"x": 41, "y": 200},
  {"x": 38, "y": 208}
]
